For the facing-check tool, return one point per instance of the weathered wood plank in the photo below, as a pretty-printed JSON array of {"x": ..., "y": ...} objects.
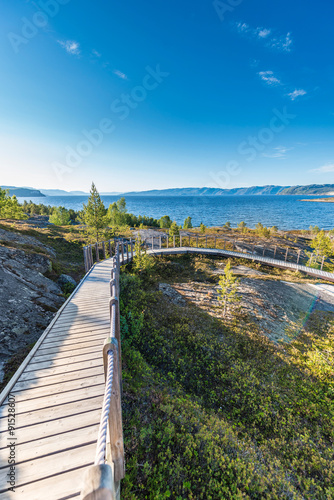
[
  {"x": 62, "y": 487},
  {"x": 54, "y": 428},
  {"x": 83, "y": 332},
  {"x": 52, "y": 444},
  {"x": 77, "y": 326},
  {"x": 60, "y": 362},
  {"x": 60, "y": 346},
  {"x": 46, "y": 415},
  {"x": 51, "y": 465},
  {"x": 46, "y": 381},
  {"x": 55, "y": 371},
  {"x": 58, "y": 353},
  {"x": 67, "y": 341},
  {"x": 51, "y": 390},
  {"x": 54, "y": 400}
]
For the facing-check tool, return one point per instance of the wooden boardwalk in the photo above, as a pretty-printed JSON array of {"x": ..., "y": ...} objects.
[
  {"x": 58, "y": 391},
  {"x": 216, "y": 252},
  {"x": 58, "y": 398}
]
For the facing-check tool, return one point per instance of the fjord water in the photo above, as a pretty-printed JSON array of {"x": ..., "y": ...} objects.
[{"x": 285, "y": 212}]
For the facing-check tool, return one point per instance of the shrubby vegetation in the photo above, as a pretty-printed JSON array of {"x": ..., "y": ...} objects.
[
  {"x": 60, "y": 217},
  {"x": 215, "y": 412},
  {"x": 9, "y": 206}
]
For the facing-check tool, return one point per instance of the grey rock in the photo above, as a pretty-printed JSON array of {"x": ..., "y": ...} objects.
[{"x": 28, "y": 299}]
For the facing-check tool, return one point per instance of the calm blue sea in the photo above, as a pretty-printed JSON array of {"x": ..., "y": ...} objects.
[{"x": 285, "y": 212}]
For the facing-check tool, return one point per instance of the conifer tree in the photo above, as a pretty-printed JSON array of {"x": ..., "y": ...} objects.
[
  {"x": 10, "y": 207},
  {"x": 228, "y": 288},
  {"x": 187, "y": 223},
  {"x": 94, "y": 213}
]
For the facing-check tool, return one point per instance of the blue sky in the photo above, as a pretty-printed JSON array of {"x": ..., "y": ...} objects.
[{"x": 145, "y": 95}]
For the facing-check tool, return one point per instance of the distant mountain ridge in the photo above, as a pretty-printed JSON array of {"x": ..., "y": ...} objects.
[
  {"x": 309, "y": 190},
  {"x": 24, "y": 192},
  {"x": 206, "y": 191},
  {"x": 324, "y": 189},
  {"x": 313, "y": 189}
]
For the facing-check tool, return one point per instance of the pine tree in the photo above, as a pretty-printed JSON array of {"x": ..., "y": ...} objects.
[
  {"x": 228, "y": 288},
  {"x": 10, "y": 207},
  {"x": 94, "y": 213},
  {"x": 141, "y": 261},
  {"x": 242, "y": 226},
  {"x": 60, "y": 217},
  {"x": 174, "y": 229},
  {"x": 187, "y": 223}
]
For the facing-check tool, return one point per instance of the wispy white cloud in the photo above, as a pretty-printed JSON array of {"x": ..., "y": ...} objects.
[
  {"x": 283, "y": 43},
  {"x": 269, "y": 78},
  {"x": 271, "y": 40},
  {"x": 324, "y": 169},
  {"x": 71, "y": 46},
  {"x": 120, "y": 74},
  {"x": 263, "y": 32},
  {"x": 297, "y": 93},
  {"x": 96, "y": 53},
  {"x": 278, "y": 152}
]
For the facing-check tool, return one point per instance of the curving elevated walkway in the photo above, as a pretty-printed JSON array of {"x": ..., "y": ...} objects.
[{"x": 228, "y": 253}]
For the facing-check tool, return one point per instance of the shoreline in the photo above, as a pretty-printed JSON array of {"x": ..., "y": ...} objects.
[{"x": 322, "y": 200}]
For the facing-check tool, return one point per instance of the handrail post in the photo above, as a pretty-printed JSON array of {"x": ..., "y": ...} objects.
[
  {"x": 275, "y": 251},
  {"x": 298, "y": 256},
  {"x": 160, "y": 242},
  {"x": 99, "y": 483},
  {"x": 85, "y": 259},
  {"x": 197, "y": 240},
  {"x": 206, "y": 241},
  {"x": 215, "y": 241},
  {"x": 180, "y": 240},
  {"x": 104, "y": 250},
  {"x": 110, "y": 252},
  {"x": 167, "y": 241},
  {"x": 122, "y": 251},
  {"x": 152, "y": 242},
  {"x": 91, "y": 255},
  {"x": 97, "y": 252},
  {"x": 286, "y": 254},
  {"x": 174, "y": 241}
]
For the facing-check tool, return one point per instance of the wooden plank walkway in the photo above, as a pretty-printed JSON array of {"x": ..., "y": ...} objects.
[
  {"x": 58, "y": 398},
  {"x": 258, "y": 258}
]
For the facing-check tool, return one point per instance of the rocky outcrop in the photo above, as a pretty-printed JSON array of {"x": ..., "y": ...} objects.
[{"x": 28, "y": 299}]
